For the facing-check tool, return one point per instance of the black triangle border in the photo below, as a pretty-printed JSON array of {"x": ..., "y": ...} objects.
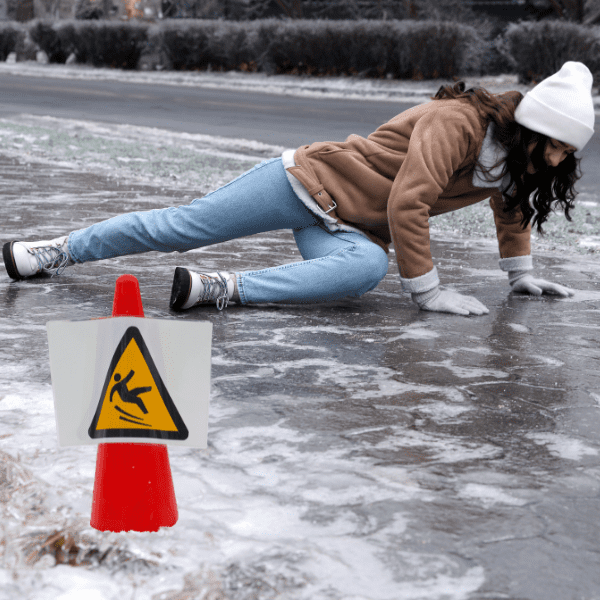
[{"x": 182, "y": 432}]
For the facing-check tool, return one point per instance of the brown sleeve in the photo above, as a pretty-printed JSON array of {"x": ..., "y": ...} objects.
[
  {"x": 513, "y": 240},
  {"x": 439, "y": 144}
]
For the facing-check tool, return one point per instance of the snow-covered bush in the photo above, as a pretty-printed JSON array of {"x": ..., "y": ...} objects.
[
  {"x": 200, "y": 44},
  {"x": 536, "y": 50},
  {"x": 99, "y": 43},
  {"x": 10, "y": 35},
  {"x": 402, "y": 49},
  {"x": 398, "y": 49},
  {"x": 109, "y": 43},
  {"x": 46, "y": 35}
]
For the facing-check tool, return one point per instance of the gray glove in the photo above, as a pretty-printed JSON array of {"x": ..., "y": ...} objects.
[
  {"x": 524, "y": 282},
  {"x": 437, "y": 300}
]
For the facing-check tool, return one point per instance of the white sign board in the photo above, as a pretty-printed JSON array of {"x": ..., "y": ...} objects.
[{"x": 131, "y": 380}]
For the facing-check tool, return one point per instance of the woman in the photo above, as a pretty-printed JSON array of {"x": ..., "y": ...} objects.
[{"x": 347, "y": 201}]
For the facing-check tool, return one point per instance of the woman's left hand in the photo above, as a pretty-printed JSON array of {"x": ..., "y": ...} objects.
[{"x": 536, "y": 287}]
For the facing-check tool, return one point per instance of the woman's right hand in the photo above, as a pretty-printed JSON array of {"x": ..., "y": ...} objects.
[{"x": 450, "y": 302}]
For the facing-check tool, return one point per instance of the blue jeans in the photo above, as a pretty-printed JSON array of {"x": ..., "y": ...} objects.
[{"x": 335, "y": 265}]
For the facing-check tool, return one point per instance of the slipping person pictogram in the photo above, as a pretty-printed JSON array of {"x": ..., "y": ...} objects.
[
  {"x": 128, "y": 395},
  {"x": 112, "y": 417}
]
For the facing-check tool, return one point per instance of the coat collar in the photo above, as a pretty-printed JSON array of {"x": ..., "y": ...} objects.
[{"x": 491, "y": 152}]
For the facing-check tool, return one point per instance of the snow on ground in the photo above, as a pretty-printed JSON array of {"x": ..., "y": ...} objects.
[
  {"x": 351, "y": 88},
  {"x": 323, "y": 87}
]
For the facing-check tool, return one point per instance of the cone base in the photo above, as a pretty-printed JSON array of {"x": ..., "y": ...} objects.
[{"x": 133, "y": 489}]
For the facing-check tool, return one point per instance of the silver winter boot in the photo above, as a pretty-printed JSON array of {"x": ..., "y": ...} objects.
[
  {"x": 26, "y": 259},
  {"x": 191, "y": 289}
]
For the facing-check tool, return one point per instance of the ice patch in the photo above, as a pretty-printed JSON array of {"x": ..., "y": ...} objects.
[
  {"x": 365, "y": 383},
  {"x": 591, "y": 241},
  {"x": 581, "y": 296},
  {"x": 257, "y": 373},
  {"x": 563, "y": 446},
  {"x": 415, "y": 333},
  {"x": 489, "y": 495},
  {"x": 65, "y": 583},
  {"x": 331, "y": 494},
  {"x": 239, "y": 149},
  {"x": 466, "y": 372},
  {"x": 548, "y": 360},
  {"x": 439, "y": 448},
  {"x": 127, "y": 160},
  {"x": 518, "y": 327},
  {"x": 442, "y": 412},
  {"x": 32, "y": 401},
  {"x": 495, "y": 273}
]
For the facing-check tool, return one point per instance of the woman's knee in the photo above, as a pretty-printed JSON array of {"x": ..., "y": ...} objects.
[{"x": 370, "y": 266}]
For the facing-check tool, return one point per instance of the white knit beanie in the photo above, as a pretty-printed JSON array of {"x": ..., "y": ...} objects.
[{"x": 561, "y": 106}]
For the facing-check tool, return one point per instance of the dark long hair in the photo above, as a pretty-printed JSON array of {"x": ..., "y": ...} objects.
[{"x": 550, "y": 188}]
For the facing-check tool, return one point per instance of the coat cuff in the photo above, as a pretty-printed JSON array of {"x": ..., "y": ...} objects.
[
  {"x": 424, "y": 283},
  {"x": 516, "y": 263}
]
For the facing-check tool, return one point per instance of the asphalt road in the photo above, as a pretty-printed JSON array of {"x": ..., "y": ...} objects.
[{"x": 272, "y": 119}]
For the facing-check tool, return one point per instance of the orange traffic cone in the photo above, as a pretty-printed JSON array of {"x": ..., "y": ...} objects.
[{"x": 133, "y": 488}]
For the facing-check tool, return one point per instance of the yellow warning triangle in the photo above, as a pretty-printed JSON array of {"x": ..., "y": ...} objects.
[{"x": 134, "y": 400}]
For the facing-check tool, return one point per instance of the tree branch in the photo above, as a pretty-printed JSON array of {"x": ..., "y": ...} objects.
[
  {"x": 557, "y": 7},
  {"x": 294, "y": 11}
]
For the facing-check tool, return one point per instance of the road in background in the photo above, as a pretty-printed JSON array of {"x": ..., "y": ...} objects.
[{"x": 273, "y": 119}]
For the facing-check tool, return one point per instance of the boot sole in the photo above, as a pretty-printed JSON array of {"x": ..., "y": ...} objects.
[
  {"x": 9, "y": 261},
  {"x": 182, "y": 286}
]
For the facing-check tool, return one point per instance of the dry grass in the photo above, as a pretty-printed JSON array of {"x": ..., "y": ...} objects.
[
  {"x": 33, "y": 535},
  {"x": 69, "y": 546}
]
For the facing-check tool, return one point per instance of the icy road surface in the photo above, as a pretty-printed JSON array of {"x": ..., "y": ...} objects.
[{"x": 360, "y": 450}]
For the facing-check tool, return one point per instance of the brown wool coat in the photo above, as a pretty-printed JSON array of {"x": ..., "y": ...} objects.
[{"x": 417, "y": 165}]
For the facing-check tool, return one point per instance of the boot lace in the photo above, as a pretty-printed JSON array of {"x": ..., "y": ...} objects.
[
  {"x": 50, "y": 259},
  {"x": 215, "y": 290}
]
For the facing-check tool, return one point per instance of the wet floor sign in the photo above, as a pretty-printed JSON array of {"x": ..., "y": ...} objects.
[
  {"x": 131, "y": 380},
  {"x": 134, "y": 401}
]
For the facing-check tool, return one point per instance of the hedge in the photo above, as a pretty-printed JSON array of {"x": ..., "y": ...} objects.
[
  {"x": 98, "y": 43},
  {"x": 10, "y": 35},
  {"x": 537, "y": 50},
  {"x": 203, "y": 44},
  {"x": 399, "y": 49}
]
